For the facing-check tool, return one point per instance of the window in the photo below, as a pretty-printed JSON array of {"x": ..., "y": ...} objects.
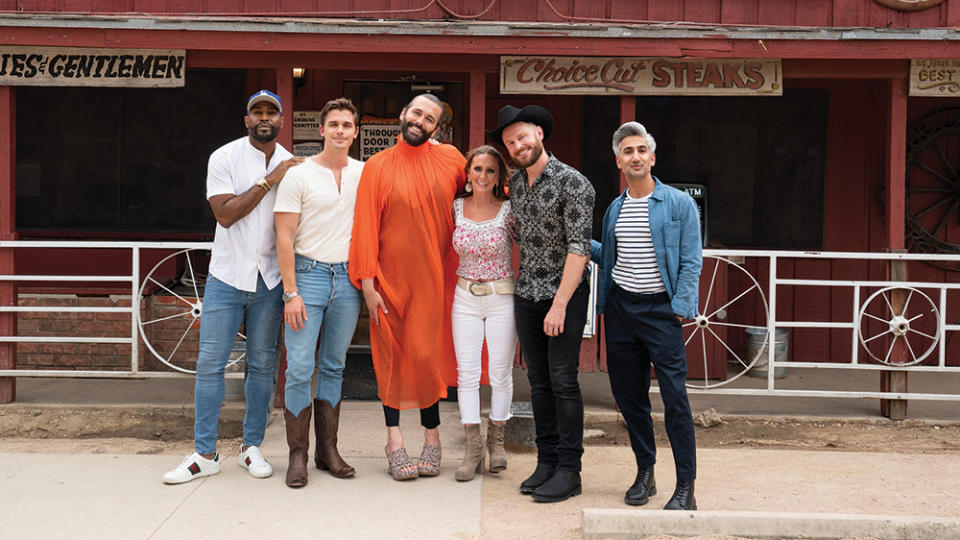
[{"x": 106, "y": 160}]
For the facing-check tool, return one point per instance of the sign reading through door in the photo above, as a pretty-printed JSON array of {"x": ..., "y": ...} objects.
[
  {"x": 636, "y": 76},
  {"x": 377, "y": 137}
]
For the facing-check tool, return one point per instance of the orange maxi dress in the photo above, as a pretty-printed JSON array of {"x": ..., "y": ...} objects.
[{"x": 402, "y": 232}]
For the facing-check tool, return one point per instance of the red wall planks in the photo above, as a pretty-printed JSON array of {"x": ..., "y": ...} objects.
[
  {"x": 702, "y": 11},
  {"x": 825, "y": 13},
  {"x": 739, "y": 12}
]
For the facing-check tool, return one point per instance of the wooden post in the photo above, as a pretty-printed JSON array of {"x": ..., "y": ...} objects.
[
  {"x": 284, "y": 80},
  {"x": 628, "y": 113},
  {"x": 8, "y": 223},
  {"x": 284, "y": 77},
  {"x": 896, "y": 381},
  {"x": 478, "y": 108}
]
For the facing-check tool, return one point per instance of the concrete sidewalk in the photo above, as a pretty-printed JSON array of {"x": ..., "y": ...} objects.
[{"x": 55, "y": 493}]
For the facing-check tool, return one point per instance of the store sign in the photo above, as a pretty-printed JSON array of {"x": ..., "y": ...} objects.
[
  {"x": 936, "y": 78},
  {"x": 639, "y": 76},
  {"x": 377, "y": 137},
  {"x": 306, "y": 125},
  {"x": 59, "y": 66}
]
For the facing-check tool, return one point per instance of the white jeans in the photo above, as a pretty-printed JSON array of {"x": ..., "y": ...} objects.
[{"x": 475, "y": 318}]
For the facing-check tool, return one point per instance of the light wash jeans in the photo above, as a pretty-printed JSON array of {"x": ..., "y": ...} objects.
[
  {"x": 475, "y": 318},
  {"x": 333, "y": 305},
  {"x": 224, "y": 309}
]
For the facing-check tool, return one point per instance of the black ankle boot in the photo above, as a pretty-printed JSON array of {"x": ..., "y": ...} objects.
[
  {"x": 682, "y": 498},
  {"x": 560, "y": 487},
  {"x": 642, "y": 489},
  {"x": 539, "y": 476}
]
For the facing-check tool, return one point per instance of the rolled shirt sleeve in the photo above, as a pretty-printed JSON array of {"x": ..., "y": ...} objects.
[{"x": 578, "y": 214}]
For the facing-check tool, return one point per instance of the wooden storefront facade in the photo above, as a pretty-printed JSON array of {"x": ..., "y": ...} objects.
[{"x": 823, "y": 163}]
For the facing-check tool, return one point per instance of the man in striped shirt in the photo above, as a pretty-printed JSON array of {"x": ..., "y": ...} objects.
[{"x": 650, "y": 261}]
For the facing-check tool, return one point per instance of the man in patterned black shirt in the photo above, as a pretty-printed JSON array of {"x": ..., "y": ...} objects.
[{"x": 553, "y": 207}]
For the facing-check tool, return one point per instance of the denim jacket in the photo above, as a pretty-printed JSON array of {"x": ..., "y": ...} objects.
[{"x": 675, "y": 228}]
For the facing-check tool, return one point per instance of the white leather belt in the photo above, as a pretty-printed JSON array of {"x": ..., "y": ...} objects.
[{"x": 486, "y": 288}]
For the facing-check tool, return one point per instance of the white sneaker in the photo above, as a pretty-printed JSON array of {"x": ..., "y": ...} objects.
[
  {"x": 253, "y": 461},
  {"x": 192, "y": 466}
]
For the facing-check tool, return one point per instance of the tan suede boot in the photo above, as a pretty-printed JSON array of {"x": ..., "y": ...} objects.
[
  {"x": 498, "y": 456},
  {"x": 298, "y": 439},
  {"x": 472, "y": 454},
  {"x": 326, "y": 423}
]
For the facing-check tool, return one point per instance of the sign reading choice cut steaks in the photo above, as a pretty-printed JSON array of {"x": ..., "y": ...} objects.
[
  {"x": 60, "y": 66},
  {"x": 639, "y": 76}
]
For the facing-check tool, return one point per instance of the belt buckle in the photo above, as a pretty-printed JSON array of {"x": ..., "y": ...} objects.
[{"x": 480, "y": 289}]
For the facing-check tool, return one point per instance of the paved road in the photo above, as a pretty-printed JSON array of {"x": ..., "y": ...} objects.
[{"x": 56, "y": 494}]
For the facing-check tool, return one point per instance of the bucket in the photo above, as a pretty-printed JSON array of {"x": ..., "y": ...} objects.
[
  {"x": 233, "y": 388},
  {"x": 755, "y": 337}
]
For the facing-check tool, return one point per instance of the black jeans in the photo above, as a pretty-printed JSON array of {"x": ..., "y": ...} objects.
[
  {"x": 640, "y": 329},
  {"x": 552, "y": 369}
]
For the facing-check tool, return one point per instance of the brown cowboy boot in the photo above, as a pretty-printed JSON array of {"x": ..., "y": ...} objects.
[
  {"x": 326, "y": 422},
  {"x": 298, "y": 439}
]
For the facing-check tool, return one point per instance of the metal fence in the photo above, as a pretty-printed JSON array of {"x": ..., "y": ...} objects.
[{"x": 890, "y": 317}]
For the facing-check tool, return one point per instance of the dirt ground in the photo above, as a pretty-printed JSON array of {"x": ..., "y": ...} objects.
[
  {"x": 912, "y": 437},
  {"x": 115, "y": 430}
]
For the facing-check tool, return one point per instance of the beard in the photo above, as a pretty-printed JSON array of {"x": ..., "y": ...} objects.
[
  {"x": 413, "y": 140},
  {"x": 535, "y": 152},
  {"x": 257, "y": 136}
]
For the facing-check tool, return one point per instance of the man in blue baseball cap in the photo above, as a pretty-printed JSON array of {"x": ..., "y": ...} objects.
[{"x": 243, "y": 287}]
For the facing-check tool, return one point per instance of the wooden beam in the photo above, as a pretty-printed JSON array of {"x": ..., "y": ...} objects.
[
  {"x": 798, "y": 68},
  {"x": 355, "y": 61},
  {"x": 554, "y": 44},
  {"x": 8, "y": 222},
  {"x": 478, "y": 108},
  {"x": 895, "y": 202}
]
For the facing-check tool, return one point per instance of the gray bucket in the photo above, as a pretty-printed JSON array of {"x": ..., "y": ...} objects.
[
  {"x": 233, "y": 388},
  {"x": 520, "y": 432},
  {"x": 755, "y": 337}
]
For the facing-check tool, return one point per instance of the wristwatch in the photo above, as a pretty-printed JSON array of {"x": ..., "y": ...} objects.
[
  {"x": 287, "y": 296},
  {"x": 262, "y": 182}
]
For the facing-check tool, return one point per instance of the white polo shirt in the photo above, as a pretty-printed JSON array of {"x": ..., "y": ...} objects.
[
  {"x": 326, "y": 214},
  {"x": 249, "y": 246}
]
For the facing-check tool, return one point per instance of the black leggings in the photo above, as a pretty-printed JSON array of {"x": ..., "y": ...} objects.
[{"x": 429, "y": 417}]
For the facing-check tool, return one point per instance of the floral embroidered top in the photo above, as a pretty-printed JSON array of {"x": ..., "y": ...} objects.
[{"x": 484, "y": 247}]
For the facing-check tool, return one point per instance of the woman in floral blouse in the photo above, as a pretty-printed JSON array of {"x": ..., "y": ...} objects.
[{"x": 483, "y": 305}]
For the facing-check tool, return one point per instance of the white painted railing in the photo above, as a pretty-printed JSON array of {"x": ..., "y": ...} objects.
[
  {"x": 131, "y": 280},
  {"x": 897, "y": 324},
  {"x": 707, "y": 320}
]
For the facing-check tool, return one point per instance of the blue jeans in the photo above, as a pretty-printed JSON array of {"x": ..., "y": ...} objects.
[
  {"x": 224, "y": 309},
  {"x": 333, "y": 304}
]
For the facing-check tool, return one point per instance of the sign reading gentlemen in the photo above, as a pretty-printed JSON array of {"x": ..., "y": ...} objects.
[{"x": 59, "y": 66}]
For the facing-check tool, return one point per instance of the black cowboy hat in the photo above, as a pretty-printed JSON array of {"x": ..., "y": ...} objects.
[{"x": 509, "y": 114}]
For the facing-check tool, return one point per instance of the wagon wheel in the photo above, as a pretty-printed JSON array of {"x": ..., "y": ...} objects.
[
  {"x": 710, "y": 317},
  {"x": 166, "y": 334},
  {"x": 915, "y": 325},
  {"x": 933, "y": 185}
]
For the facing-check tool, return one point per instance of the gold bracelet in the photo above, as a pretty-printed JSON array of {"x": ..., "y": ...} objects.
[{"x": 264, "y": 184}]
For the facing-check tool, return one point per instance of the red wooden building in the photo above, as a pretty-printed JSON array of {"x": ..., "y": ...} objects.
[{"x": 808, "y": 122}]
